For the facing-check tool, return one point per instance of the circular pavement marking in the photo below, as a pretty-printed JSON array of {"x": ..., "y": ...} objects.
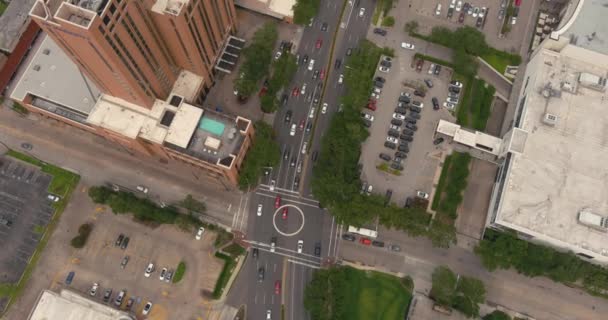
[{"x": 274, "y": 222}]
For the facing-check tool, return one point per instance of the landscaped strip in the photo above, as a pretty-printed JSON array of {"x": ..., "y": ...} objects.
[
  {"x": 482, "y": 96},
  {"x": 455, "y": 184},
  {"x": 63, "y": 184},
  {"x": 179, "y": 272},
  {"x": 348, "y": 293},
  {"x": 222, "y": 280},
  {"x": 441, "y": 183}
]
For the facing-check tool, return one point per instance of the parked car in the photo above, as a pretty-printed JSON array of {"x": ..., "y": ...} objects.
[
  {"x": 379, "y": 31},
  {"x": 411, "y": 126},
  {"x": 367, "y": 116},
  {"x": 130, "y": 303},
  {"x": 401, "y": 110},
  {"x": 438, "y": 141},
  {"x": 385, "y": 157},
  {"x": 377, "y": 243},
  {"x": 337, "y": 64},
  {"x": 93, "y": 291},
  {"x": 120, "y": 297},
  {"x": 428, "y": 82},
  {"x": 149, "y": 270},
  {"x": 107, "y": 294},
  {"x": 124, "y": 262},
  {"x": 419, "y": 93},
  {"x": 53, "y": 198},
  {"x": 397, "y": 166},
  {"x": 162, "y": 275},
  {"x": 365, "y": 241},
  {"x": 384, "y": 69},
  {"x": 422, "y": 194},
  {"x": 147, "y": 308},
  {"x": 431, "y": 68},
  {"x": 348, "y": 237},
  {"x": 168, "y": 276},
  {"x": 394, "y": 247},
  {"x": 406, "y": 45},
  {"x": 435, "y": 102},
  {"x": 142, "y": 189},
  {"x": 124, "y": 243},
  {"x": 390, "y": 145}
]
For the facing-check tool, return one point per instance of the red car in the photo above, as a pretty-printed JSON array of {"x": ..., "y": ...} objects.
[
  {"x": 372, "y": 105},
  {"x": 277, "y": 287},
  {"x": 284, "y": 215},
  {"x": 319, "y": 43},
  {"x": 322, "y": 74},
  {"x": 295, "y": 92},
  {"x": 365, "y": 241},
  {"x": 461, "y": 17},
  {"x": 277, "y": 202},
  {"x": 517, "y": 3},
  {"x": 302, "y": 124}
]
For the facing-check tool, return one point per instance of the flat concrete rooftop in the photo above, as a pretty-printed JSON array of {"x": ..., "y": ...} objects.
[
  {"x": 68, "y": 305},
  {"x": 51, "y": 75},
  {"x": 13, "y": 22},
  {"x": 563, "y": 167},
  {"x": 587, "y": 25}
]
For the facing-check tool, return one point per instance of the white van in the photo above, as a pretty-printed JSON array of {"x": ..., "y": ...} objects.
[{"x": 311, "y": 64}]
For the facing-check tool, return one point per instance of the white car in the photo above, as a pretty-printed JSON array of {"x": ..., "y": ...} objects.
[
  {"x": 341, "y": 79},
  {"x": 394, "y": 127},
  {"x": 260, "y": 210},
  {"x": 292, "y": 131},
  {"x": 449, "y": 105},
  {"x": 312, "y": 113},
  {"x": 383, "y": 69},
  {"x": 52, "y": 197},
  {"x": 453, "y": 4},
  {"x": 147, "y": 308},
  {"x": 409, "y": 46},
  {"x": 311, "y": 64},
  {"x": 392, "y": 139},
  {"x": 300, "y": 246},
  {"x": 149, "y": 270},
  {"x": 199, "y": 233},
  {"x": 324, "y": 108},
  {"x": 142, "y": 189},
  {"x": 431, "y": 68},
  {"x": 272, "y": 246},
  {"x": 94, "y": 288},
  {"x": 422, "y": 194},
  {"x": 277, "y": 55},
  {"x": 482, "y": 12},
  {"x": 163, "y": 273},
  {"x": 398, "y": 116},
  {"x": 304, "y": 147},
  {"x": 456, "y": 84},
  {"x": 303, "y": 90},
  {"x": 374, "y": 95},
  {"x": 452, "y": 100},
  {"x": 459, "y": 6},
  {"x": 513, "y": 20},
  {"x": 361, "y": 12},
  {"x": 438, "y": 9},
  {"x": 377, "y": 91},
  {"x": 368, "y": 116},
  {"x": 475, "y": 12},
  {"x": 268, "y": 315},
  {"x": 272, "y": 184}
]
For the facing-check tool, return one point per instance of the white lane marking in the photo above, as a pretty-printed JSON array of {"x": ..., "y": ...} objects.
[
  {"x": 244, "y": 213},
  {"x": 235, "y": 217},
  {"x": 290, "y": 200},
  {"x": 304, "y": 264},
  {"x": 352, "y": 8},
  {"x": 262, "y": 246}
]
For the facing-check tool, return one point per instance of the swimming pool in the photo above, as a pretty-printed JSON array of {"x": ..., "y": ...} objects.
[{"x": 213, "y": 126}]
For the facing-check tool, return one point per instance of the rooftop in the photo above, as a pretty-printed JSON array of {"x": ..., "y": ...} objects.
[
  {"x": 587, "y": 25},
  {"x": 50, "y": 75},
  {"x": 274, "y": 8},
  {"x": 474, "y": 139},
  {"x": 13, "y": 22},
  {"x": 562, "y": 167},
  {"x": 173, "y": 7},
  {"x": 67, "y": 305}
]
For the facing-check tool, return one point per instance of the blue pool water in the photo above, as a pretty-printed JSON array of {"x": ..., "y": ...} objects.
[{"x": 210, "y": 125}]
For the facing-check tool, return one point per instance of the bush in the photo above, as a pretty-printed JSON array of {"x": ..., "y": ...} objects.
[
  {"x": 223, "y": 237},
  {"x": 193, "y": 205},
  {"x": 222, "y": 280},
  {"x": 80, "y": 240},
  {"x": 388, "y": 21},
  {"x": 234, "y": 250},
  {"x": 496, "y": 315},
  {"x": 179, "y": 272}
]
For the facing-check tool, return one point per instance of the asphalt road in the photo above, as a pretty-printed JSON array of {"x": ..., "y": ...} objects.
[{"x": 305, "y": 220}]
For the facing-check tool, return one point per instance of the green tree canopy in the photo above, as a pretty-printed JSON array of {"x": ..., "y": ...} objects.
[
  {"x": 304, "y": 10},
  {"x": 444, "y": 286},
  {"x": 257, "y": 56},
  {"x": 496, "y": 315},
  {"x": 265, "y": 152}
]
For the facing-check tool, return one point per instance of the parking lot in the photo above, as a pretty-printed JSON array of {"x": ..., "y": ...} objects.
[
  {"x": 101, "y": 262},
  {"x": 423, "y": 156},
  {"x": 24, "y": 212}
]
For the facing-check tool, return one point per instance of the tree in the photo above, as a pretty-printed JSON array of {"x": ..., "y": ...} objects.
[
  {"x": 470, "y": 293},
  {"x": 304, "y": 10},
  {"x": 388, "y": 21},
  {"x": 193, "y": 205},
  {"x": 411, "y": 27},
  {"x": 442, "y": 233},
  {"x": 443, "y": 286},
  {"x": 100, "y": 194},
  {"x": 497, "y": 315},
  {"x": 265, "y": 152},
  {"x": 257, "y": 56}
]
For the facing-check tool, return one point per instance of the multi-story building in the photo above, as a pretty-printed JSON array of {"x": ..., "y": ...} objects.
[{"x": 136, "y": 72}]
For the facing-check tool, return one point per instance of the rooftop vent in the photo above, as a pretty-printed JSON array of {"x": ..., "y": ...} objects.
[
  {"x": 592, "y": 81},
  {"x": 175, "y": 101},
  {"x": 550, "y": 119},
  {"x": 593, "y": 220},
  {"x": 46, "y": 51},
  {"x": 36, "y": 67}
]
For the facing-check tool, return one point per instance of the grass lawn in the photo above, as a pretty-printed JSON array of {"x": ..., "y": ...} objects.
[
  {"x": 179, "y": 272},
  {"x": 63, "y": 184},
  {"x": 375, "y": 296},
  {"x": 441, "y": 183},
  {"x": 3, "y": 7},
  {"x": 499, "y": 60}
]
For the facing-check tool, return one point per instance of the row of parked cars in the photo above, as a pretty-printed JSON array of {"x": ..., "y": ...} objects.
[
  {"x": 119, "y": 299},
  {"x": 367, "y": 241}
]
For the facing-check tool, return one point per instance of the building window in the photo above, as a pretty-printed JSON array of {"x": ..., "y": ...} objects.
[
  {"x": 112, "y": 8},
  {"x": 106, "y": 20}
]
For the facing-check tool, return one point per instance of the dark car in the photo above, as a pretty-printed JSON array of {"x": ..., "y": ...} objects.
[
  {"x": 415, "y": 109},
  {"x": 385, "y": 157},
  {"x": 450, "y": 12},
  {"x": 403, "y": 148},
  {"x": 404, "y": 99},
  {"x": 414, "y": 115},
  {"x": 453, "y": 89},
  {"x": 438, "y": 141},
  {"x": 419, "y": 93},
  {"x": 401, "y": 155},
  {"x": 308, "y": 126},
  {"x": 124, "y": 243},
  {"x": 479, "y": 22},
  {"x": 393, "y": 133},
  {"x": 348, "y": 237},
  {"x": 70, "y": 277},
  {"x": 261, "y": 274},
  {"x": 288, "y": 116},
  {"x": 324, "y": 26},
  {"x": 305, "y": 59},
  {"x": 377, "y": 243},
  {"x": 338, "y": 63},
  {"x": 286, "y": 154},
  {"x": 367, "y": 123},
  {"x": 408, "y": 132},
  {"x": 411, "y": 126},
  {"x": 385, "y": 63},
  {"x": 428, "y": 82},
  {"x": 387, "y": 196},
  {"x": 396, "y": 122},
  {"x": 411, "y": 120},
  {"x": 400, "y": 110},
  {"x": 437, "y": 70},
  {"x": 119, "y": 240},
  {"x": 130, "y": 303},
  {"x": 284, "y": 98},
  {"x": 378, "y": 84},
  {"x": 293, "y": 161},
  {"x": 435, "y": 103},
  {"x": 409, "y": 202},
  {"x": 396, "y": 166},
  {"x": 106, "y": 295},
  {"x": 390, "y": 145},
  {"x": 318, "y": 249},
  {"x": 461, "y": 17},
  {"x": 380, "y": 79},
  {"x": 349, "y": 51},
  {"x": 406, "y": 137},
  {"x": 314, "y": 156},
  {"x": 379, "y": 31},
  {"x": 419, "y": 64},
  {"x": 255, "y": 252}
]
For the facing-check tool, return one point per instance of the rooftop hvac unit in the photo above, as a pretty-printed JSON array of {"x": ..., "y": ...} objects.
[
  {"x": 550, "y": 119},
  {"x": 592, "y": 81},
  {"x": 593, "y": 220}
]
